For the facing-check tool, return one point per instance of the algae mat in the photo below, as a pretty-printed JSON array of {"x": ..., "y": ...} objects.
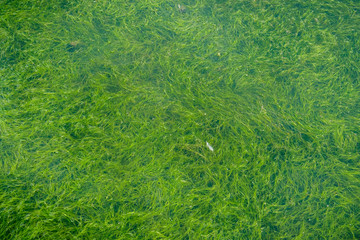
[{"x": 210, "y": 119}]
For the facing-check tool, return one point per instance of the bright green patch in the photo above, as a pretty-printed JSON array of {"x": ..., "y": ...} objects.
[{"x": 106, "y": 108}]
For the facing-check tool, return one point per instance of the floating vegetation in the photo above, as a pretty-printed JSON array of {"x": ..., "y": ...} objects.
[{"x": 105, "y": 107}]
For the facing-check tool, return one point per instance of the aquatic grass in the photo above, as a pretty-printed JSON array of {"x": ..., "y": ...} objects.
[{"x": 106, "y": 108}]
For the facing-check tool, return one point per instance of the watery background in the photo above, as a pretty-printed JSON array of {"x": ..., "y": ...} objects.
[{"x": 157, "y": 119}]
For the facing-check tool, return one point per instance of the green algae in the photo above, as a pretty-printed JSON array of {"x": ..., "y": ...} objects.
[{"x": 106, "y": 108}]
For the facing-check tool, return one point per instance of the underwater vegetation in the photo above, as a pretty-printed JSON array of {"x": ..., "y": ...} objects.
[{"x": 216, "y": 119}]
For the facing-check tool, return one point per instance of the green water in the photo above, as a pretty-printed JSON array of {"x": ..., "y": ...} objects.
[{"x": 209, "y": 119}]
